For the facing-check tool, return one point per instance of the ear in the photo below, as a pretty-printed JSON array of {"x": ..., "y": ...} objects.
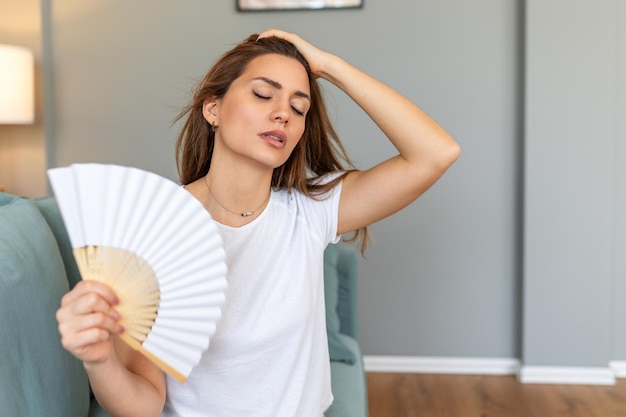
[{"x": 210, "y": 110}]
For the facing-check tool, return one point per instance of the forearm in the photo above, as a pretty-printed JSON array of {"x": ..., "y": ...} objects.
[
  {"x": 123, "y": 393},
  {"x": 416, "y": 136}
]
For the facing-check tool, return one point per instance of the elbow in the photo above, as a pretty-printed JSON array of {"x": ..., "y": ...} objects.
[
  {"x": 449, "y": 155},
  {"x": 435, "y": 162},
  {"x": 455, "y": 152}
]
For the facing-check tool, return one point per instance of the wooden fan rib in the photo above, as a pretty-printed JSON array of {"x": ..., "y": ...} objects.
[
  {"x": 133, "y": 281},
  {"x": 139, "y": 301},
  {"x": 125, "y": 272},
  {"x": 175, "y": 373},
  {"x": 137, "y": 324},
  {"x": 138, "y": 333},
  {"x": 141, "y": 314}
]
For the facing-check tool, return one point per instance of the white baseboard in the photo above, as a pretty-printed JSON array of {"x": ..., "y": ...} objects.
[
  {"x": 618, "y": 368},
  {"x": 441, "y": 365},
  {"x": 566, "y": 375},
  {"x": 497, "y": 366}
]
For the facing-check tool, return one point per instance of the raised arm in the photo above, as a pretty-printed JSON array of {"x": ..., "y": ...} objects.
[{"x": 425, "y": 149}]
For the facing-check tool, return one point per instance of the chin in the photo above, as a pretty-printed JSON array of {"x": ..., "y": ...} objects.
[{"x": 274, "y": 162}]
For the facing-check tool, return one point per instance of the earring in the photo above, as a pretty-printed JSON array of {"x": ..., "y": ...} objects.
[{"x": 213, "y": 126}]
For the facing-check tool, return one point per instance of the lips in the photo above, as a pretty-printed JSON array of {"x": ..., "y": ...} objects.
[{"x": 274, "y": 137}]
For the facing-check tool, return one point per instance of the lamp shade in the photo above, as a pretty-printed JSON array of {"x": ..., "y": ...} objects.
[{"x": 16, "y": 85}]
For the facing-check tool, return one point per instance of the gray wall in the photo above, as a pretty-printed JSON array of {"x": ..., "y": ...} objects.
[
  {"x": 443, "y": 277},
  {"x": 575, "y": 183},
  {"x": 619, "y": 213}
]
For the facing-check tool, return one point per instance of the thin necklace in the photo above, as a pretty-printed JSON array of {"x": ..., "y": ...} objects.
[{"x": 242, "y": 213}]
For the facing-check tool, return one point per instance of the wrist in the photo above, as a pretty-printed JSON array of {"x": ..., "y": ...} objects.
[
  {"x": 336, "y": 71},
  {"x": 95, "y": 367}
]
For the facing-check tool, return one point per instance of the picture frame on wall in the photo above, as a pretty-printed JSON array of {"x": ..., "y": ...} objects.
[{"x": 260, "y": 5}]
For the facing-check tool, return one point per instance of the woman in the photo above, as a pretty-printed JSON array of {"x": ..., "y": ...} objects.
[{"x": 257, "y": 149}]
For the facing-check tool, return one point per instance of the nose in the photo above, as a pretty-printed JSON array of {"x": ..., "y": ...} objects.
[{"x": 280, "y": 113}]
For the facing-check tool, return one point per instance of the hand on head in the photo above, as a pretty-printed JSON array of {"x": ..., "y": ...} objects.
[{"x": 316, "y": 58}]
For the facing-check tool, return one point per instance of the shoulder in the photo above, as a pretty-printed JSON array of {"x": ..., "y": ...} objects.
[
  {"x": 331, "y": 178},
  {"x": 320, "y": 189}
]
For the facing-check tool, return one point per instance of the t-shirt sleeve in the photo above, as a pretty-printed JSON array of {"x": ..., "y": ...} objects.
[
  {"x": 333, "y": 236},
  {"x": 322, "y": 213}
]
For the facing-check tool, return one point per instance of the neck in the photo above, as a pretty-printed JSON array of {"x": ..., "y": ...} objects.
[
  {"x": 251, "y": 211},
  {"x": 235, "y": 185},
  {"x": 242, "y": 177}
]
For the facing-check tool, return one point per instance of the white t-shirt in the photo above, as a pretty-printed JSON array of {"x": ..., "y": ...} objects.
[{"x": 269, "y": 354}]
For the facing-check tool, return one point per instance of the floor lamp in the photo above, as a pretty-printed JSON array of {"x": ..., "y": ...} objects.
[{"x": 17, "y": 70}]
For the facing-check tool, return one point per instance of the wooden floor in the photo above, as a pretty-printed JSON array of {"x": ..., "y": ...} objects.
[{"x": 425, "y": 395}]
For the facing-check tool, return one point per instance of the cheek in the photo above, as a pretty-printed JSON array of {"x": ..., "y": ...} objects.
[
  {"x": 239, "y": 116},
  {"x": 298, "y": 128},
  {"x": 297, "y": 138},
  {"x": 238, "y": 125}
]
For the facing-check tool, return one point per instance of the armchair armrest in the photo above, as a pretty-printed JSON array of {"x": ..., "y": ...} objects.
[{"x": 347, "y": 305}]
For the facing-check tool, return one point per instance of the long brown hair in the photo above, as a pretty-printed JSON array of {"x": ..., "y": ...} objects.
[{"x": 318, "y": 153}]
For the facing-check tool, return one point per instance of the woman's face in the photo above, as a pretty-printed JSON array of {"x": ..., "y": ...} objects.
[{"x": 261, "y": 118}]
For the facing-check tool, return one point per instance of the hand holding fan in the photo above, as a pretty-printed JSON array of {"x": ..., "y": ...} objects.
[{"x": 157, "y": 247}]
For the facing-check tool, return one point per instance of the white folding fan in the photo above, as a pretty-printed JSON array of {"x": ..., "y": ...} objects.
[{"x": 157, "y": 247}]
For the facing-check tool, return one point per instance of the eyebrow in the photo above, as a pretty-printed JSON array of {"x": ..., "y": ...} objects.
[{"x": 278, "y": 85}]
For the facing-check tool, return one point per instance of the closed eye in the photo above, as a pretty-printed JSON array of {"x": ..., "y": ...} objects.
[{"x": 261, "y": 96}]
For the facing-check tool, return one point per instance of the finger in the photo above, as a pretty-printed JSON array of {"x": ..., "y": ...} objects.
[
  {"x": 266, "y": 34},
  {"x": 108, "y": 320},
  {"x": 90, "y": 310},
  {"x": 69, "y": 323},
  {"x": 274, "y": 32},
  {"x": 86, "y": 304},
  {"x": 79, "y": 343},
  {"x": 88, "y": 329},
  {"x": 90, "y": 286}
]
